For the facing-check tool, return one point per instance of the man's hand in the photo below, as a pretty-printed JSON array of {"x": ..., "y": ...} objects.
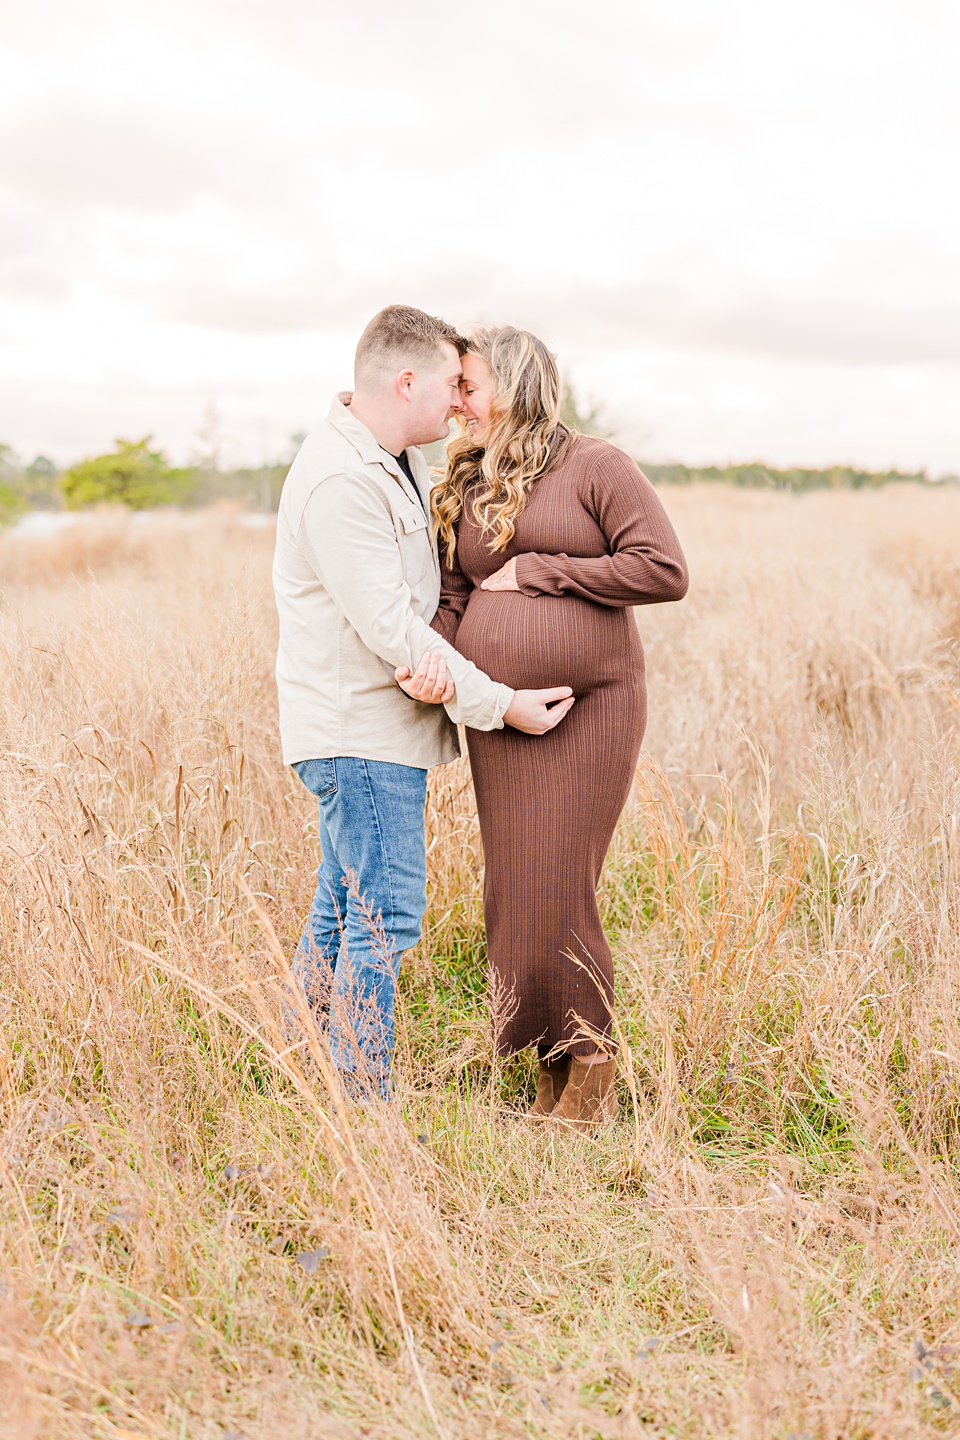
[
  {"x": 528, "y": 710},
  {"x": 429, "y": 683},
  {"x": 503, "y": 579}
]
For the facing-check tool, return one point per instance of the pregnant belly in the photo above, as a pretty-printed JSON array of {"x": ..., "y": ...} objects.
[{"x": 531, "y": 642}]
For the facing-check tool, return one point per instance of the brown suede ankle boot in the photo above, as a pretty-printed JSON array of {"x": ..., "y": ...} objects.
[
  {"x": 550, "y": 1086},
  {"x": 588, "y": 1098}
]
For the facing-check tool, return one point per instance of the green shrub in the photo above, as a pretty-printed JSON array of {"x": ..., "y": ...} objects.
[
  {"x": 12, "y": 504},
  {"x": 131, "y": 475}
]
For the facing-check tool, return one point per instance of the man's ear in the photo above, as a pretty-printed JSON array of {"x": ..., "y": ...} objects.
[{"x": 405, "y": 384}]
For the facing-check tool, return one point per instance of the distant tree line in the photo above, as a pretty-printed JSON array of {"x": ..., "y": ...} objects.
[
  {"x": 26, "y": 487},
  {"x": 753, "y": 476},
  {"x": 139, "y": 476},
  {"x": 134, "y": 474},
  {"x": 756, "y": 477}
]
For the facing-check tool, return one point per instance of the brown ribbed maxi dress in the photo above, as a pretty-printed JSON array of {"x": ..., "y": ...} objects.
[{"x": 592, "y": 540}]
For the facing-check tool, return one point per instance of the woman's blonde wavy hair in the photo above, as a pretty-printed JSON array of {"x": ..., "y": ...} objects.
[{"x": 525, "y": 436}]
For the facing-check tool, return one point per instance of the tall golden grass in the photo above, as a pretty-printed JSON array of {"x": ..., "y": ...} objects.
[{"x": 200, "y": 1239}]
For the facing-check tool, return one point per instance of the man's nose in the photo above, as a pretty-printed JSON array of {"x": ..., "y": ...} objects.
[{"x": 456, "y": 405}]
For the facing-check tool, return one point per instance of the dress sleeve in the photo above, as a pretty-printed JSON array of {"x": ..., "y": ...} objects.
[
  {"x": 455, "y": 591},
  {"x": 645, "y": 565}
]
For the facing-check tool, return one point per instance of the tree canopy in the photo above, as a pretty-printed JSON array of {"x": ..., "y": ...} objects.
[{"x": 132, "y": 474}]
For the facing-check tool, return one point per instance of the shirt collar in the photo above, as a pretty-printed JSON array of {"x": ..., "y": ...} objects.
[{"x": 371, "y": 452}]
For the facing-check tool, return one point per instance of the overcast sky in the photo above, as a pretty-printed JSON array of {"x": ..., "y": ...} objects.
[{"x": 737, "y": 223}]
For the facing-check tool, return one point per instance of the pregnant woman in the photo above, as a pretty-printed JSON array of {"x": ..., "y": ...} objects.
[{"x": 548, "y": 538}]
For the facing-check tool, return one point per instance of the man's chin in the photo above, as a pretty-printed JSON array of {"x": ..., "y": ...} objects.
[{"x": 437, "y": 435}]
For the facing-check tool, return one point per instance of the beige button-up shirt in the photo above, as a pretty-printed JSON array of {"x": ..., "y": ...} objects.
[{"x": 357, "y": 581}]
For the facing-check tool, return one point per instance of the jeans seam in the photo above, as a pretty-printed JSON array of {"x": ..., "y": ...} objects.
[
  {"x": 334, "y": 864},
  {"x": 383, "y": 858}
]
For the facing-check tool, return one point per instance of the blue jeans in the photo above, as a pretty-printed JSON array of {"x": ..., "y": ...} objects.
[{"x": 368, "y": 907}]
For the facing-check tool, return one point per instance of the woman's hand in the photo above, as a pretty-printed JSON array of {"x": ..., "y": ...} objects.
[
  {"x": 429, "y": 684},
  {"x": 503, "y": 579},
  {"x": 537, "y": 711}
]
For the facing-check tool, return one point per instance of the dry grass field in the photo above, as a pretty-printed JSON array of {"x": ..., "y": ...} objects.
[{"x": 200, "y": 1240}]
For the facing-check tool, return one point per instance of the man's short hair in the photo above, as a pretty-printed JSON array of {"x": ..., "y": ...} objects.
[{"x": 401, "y": 337}]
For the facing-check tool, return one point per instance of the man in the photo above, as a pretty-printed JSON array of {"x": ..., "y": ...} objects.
[{"x": 357, "y": 581}]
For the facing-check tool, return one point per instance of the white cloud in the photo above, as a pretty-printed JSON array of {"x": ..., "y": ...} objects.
[{"x": 218, "y": 194}]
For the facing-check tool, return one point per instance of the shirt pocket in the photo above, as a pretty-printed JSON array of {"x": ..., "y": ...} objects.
[
  {"x": 416, "y": 542},
  {"x": 412, "y": 519}
]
